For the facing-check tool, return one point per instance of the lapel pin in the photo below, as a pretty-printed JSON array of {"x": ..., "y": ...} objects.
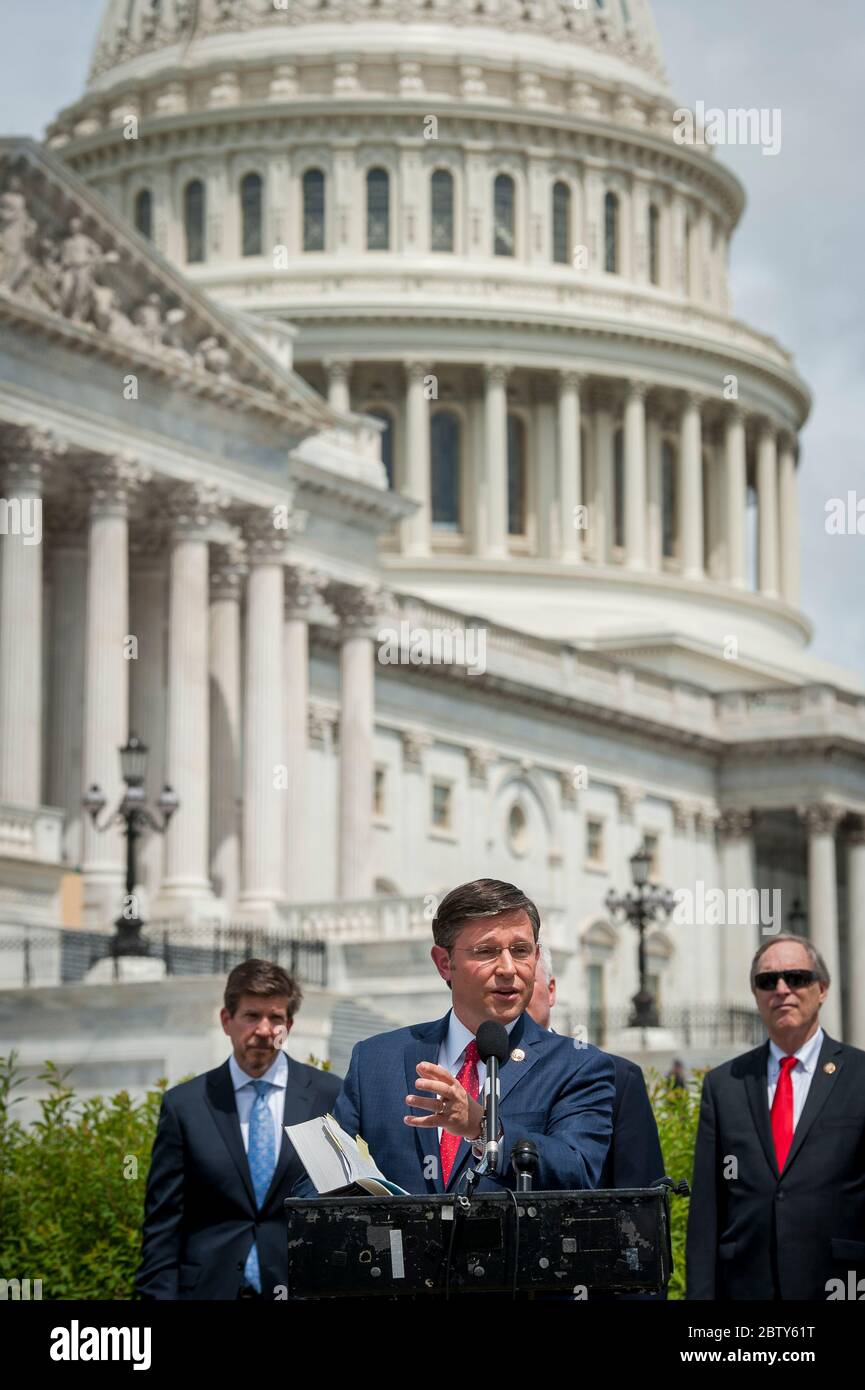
[
  {"x": 829, "y": 1068},
  {"x": 519, "y": 1056}
]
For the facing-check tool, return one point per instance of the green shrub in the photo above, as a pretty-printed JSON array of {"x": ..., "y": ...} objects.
[
  {"x": 677, "y": 1110},
  {"x": 72, "y": 1184}
]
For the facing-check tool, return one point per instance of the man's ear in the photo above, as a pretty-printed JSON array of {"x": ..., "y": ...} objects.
[
  {"x": 224, "y": 1016},
  {"x": 442, "y": 962}
]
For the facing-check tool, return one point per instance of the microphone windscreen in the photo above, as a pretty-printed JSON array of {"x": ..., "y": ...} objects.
[{"x": 492, "y": 1040}]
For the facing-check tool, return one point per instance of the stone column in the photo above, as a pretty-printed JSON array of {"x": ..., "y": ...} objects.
[
  {"x": 767, "y": 510},
  {"x": 736, "y": 495},
  {"x": 227, "y": 574},
  {"x": 635, "y": 475},
  {"x": 496, "y": 437},
  {"x": 186, "y": 888},
  {"x": 302, "y": 589},
  {"x": 545, "y": 459},
  {"x": 602, "y": 513},
  {"x": 570, "y": 487},
  {"x": 738, "y": 942},
  {"x": 338, "y": 384},
  {"x": 66, "y": 696},
  {"x": 654, "y": 496},
  {"x": 357, "y": 609},
  {"x": 112, "y": 483},
  {"x": 691, "y": 488},
  {"x": 264, "y": 773},
  {"x": 822, "y": 821},
  {"x": 789, "y": 510},
  {"x": 416, "y": 528},
  {"x": 21, "y": 600},
  {"x": 856, "y": 931},
  {"x": 148, "y": 594}
]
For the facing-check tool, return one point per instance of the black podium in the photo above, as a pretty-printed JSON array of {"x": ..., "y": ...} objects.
[{"x": 499, "y": 1243}]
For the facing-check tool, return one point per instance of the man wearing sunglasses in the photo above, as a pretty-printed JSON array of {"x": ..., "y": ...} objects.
[{"x": 778, "y": 1192}]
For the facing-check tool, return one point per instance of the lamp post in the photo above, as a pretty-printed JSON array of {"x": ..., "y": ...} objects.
[
  {"x": 640, "y": 907},
  {"x": 134, "y": 814}
]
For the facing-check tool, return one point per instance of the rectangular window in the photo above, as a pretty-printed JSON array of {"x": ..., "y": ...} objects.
[
  {"x": 379, "y": 791},
  {"x": 442, "y": 805},
  {"x": 652, "y": 846},
  {"x": 595, "y": 842}
]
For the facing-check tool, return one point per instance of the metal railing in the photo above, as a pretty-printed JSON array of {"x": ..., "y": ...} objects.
[
  {"x": 707, "y": 1025},
  {"x": 64, "y": 955}
]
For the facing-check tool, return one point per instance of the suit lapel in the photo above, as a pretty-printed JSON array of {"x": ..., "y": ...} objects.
[
  {"x": 297, "y": 1107},
  {"x": 757, "y": 1088},
  {"x": 423, "y": 1046},
  {"x": 219, "y": 1094},
  {"x": 822, "y": 1085}
]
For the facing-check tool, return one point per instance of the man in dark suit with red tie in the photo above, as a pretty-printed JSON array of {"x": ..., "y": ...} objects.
[{"x": 778, "y": 1192}]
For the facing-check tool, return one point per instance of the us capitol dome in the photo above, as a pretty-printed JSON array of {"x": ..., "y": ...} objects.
[
  {"x": 479, "y": 222},
  {"x": 442, "y": 277}
]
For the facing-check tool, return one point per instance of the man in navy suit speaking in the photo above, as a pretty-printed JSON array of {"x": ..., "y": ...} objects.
[{"x": 415, "y": 1095}]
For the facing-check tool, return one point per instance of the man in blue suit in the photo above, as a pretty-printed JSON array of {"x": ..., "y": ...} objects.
[
  {"x": 486, "y": 936},
  {"x": 214, "y": 1226}
]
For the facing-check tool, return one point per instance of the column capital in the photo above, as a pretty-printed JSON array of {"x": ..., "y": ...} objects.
[
  {"x": 787, "y": 440},
  {"x": 856, "y": 830},
  {"x": 735, "y": 824},
  {"x": 496, "y": 374},
  {"x": 320, "y": 719},
  {"x": 766, "y": 429},
  {"x": 228, "y": 569},
  {"x": 113, "y": 481},
  {"x": 734, "y": 413},
  {"x": 637, "y": 389},
  {"x": 683, "y": 813},
  {"x": 416, "y": 370},
  {"x": 629, "y": 796},
  {"x": 481, "y": 758},
  {"x": 303, "y": 587},
  {"x": 822, "y": 817},
  {"x": 359, "y": 607},
  {"x": 338, "y": 367},
  {"x": 265, "y": 540},
  {"x": 192, "y": 507},
  {"x": 571, "y": 380},
  {"x": 568, "y": 786},
  {"x": 694, "y": 400},
  {"x": 24, "y": 452},
  {"x": 414, "y": 744}
]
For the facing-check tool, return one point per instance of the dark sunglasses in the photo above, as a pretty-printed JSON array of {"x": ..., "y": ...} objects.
[{"x": 794, "y": 979}]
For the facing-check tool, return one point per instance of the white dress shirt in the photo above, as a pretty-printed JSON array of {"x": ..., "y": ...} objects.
[
  {"x": 452, "y": 1052},
  {"x": 244, "y": 1096},
  {"x": 801, "y": 1074}
]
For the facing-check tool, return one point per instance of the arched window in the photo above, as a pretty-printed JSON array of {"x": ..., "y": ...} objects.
[
  {"x": 516, "y": 476},
  {"x": 654, "y": 244},
  {"x": 504, "y": 201},
  {"x": 386, "y": 441},
  {"x": 143, "y": 214},
  {"x": 250, "y": 211},
  {"x": 619, "y": 488},
  {"x": 668, "y": 500},
  {"x": 377, "y": 210},
  {"x": 313, "y": 210},
  {"x": 193, "y": 220},
  {"x": 442, "y": 211},
  {"x": 611, "y": 234},
  {"x": 561, "y": 223},
  {"x": 445, "y": 449}
]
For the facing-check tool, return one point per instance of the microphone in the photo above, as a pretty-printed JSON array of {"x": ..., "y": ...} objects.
[
  {"x": 493, "y": 1048},
  {"x": 525, "y": 1161}
]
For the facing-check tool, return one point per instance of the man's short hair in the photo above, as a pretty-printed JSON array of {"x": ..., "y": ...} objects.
[
  {"x": 265, "y": 979},
  {"x": 484, "y": 897},
  {"x": 546, "y": 961},
  {"x": 817, "y": 960}
]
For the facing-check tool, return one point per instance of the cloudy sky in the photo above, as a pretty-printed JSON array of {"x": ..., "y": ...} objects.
[{"x": 798, "y": 265}]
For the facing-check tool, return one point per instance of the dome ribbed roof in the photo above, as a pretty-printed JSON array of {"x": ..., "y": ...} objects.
[{"x": 623, "y": 29}]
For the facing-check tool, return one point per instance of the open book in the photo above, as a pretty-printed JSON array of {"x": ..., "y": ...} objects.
[{"x": 337, "y": 1165}]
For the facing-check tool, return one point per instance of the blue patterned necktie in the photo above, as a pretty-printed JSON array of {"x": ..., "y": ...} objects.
[{"x": 261, "y": 1156}]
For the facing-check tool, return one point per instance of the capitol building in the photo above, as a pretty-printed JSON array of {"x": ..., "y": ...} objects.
[{"x": 407, "y": 485}]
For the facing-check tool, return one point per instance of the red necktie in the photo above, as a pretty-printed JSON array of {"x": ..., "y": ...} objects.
[
  {"x": 468, "y": 1079},
  {"x": 782, "y": 1112}
]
